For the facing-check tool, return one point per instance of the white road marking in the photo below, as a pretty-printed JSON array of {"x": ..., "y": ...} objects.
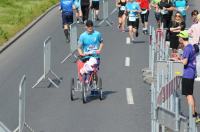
[
  {"x": 129, "y": 96},
  {"x": 127, "y": 61},
  {"x": 128, "y": 40}
]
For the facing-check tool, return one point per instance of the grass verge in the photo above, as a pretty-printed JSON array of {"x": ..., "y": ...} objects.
[{"x": 16, "y": 14}]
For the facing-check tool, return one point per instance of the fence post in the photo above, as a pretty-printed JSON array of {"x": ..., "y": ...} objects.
[
  {"x": 177, "y": 114},
  {"x": 22, "y": 102},
  {"x": 3, "y": 128},
  {"x": 105, "y": 14}
]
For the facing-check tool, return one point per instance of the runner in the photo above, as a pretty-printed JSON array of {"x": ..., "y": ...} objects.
[
  {"x": 166, "y": 9},
  {"x": 77, "y": 7},
  {"x": 90, "y": 42},
  {"x": 182, "y": 7},
  {"x": 121, "y": 14},
  {"x": 85, "y": 4},
  {"x": 95, "y": 8},
  {"x": 154, "y": 4},
  {"x": 66, "y": 7},
  {"x": 133, "y": 10},
  {"x": 145, "y": 6}
]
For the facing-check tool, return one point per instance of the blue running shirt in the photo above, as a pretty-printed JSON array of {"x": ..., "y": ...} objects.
[
  {"x": 77, "y": 3},
  {"x": 90, "y": 42},
  {"x": 66, "y": 6},
  {"x": 181, "y": 6},
  {"x": 130, "y": 6}
]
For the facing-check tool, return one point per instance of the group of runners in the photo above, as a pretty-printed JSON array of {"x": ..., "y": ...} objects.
[
  {"x": 134, "y": 10},
  {"x": 81, "y": 8}
]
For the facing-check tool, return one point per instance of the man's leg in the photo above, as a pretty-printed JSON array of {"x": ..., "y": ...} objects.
[{"x": 191, "y": 101}]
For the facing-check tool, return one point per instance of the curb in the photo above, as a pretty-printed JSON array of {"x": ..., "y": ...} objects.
[{"x": 23, "y": 31}]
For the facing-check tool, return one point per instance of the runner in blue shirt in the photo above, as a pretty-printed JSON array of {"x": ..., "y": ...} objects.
[
  {"x": 90, "y": 43},
  {"x": 133, "y": 10},
  {"x": 66, "y": 7},
  {"x": 182, "y": 7},
  {"x": 77, "y": 7}
]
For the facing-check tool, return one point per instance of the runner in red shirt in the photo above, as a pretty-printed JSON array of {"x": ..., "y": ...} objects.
[{"x": 145, "y": 6}]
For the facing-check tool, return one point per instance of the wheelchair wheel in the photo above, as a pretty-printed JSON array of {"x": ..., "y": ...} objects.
[
  {"x": 100, "y": 89},
  {"x": 84, "y": 97},
  {"x": 72, "y": 87}
]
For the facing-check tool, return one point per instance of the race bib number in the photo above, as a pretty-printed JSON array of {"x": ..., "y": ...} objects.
[
  {"x": 122, "y": 8},
  {"x": 132, "y": 18},
  {"x": 91, "y": 49}
]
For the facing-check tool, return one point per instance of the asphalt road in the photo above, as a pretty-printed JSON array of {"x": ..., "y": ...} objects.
[{"x": 50, "y": 109}]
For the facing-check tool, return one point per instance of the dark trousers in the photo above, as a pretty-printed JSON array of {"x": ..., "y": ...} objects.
[{"x": 85, "y": 10}]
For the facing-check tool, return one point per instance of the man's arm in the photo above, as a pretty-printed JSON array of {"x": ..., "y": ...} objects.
[{"x": 184, "y": 61}]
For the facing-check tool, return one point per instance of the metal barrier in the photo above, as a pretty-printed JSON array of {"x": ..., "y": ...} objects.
[
  {"x": 22, "y": 122},
  {"x": 73, "y": 37},
  {"x": 3, "y": 128},
  {"x": 105, "y": 14},
  {"x": 164, "y": 77},
  {"x": 47, "y": 65},
  {"x": 73, "y": 41}
]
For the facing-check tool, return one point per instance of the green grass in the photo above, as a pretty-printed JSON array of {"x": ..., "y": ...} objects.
[{"x": 16, "y": 14}]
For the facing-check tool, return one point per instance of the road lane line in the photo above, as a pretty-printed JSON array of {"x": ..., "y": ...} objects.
[
  {"x": 129, "y": 96},
  {"x": 128, "y": 40},
  {"x": 127, "y": 61}
]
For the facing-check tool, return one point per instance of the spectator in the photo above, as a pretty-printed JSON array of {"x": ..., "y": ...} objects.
[
  {"x": 189, "y": 61},
  {"x": 194, "y": 32},
  {"x": 177, "y": 24},
  {"x": 194, "y": 16}
]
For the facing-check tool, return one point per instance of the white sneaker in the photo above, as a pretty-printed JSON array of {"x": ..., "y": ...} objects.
[{"x": 197, "y": 79}]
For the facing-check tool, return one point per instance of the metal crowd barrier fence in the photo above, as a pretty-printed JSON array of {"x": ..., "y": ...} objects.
[
  {"x": 47, "y": 65},
  {"x": 22, "y": 102},
  {"x": 158, "y": 50},
  {"x": 3, "y": 128},
  {"x": 105, "y": 14},
  {"x": 73, "y": 41},
  {"x": 164, "y": 77}
]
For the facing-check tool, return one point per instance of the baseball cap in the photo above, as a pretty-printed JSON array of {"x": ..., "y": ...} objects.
[{"x": 183, "y": 34}]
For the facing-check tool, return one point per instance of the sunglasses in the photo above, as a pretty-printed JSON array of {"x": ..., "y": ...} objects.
[{"x": 178, "y": 15}]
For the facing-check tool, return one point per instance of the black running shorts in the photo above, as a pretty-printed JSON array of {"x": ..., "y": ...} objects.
[
  {"x": 95, "y": 5},
  {"x": 187, "y": 86}
]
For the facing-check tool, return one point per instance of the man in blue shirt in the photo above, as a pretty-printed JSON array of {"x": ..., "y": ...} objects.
[
  {"x": 66, "y": 7},
  {"x": 189, "y": 61},
  {"x": 133, "y": 10},
  {"x": 90, "y": 42}
]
